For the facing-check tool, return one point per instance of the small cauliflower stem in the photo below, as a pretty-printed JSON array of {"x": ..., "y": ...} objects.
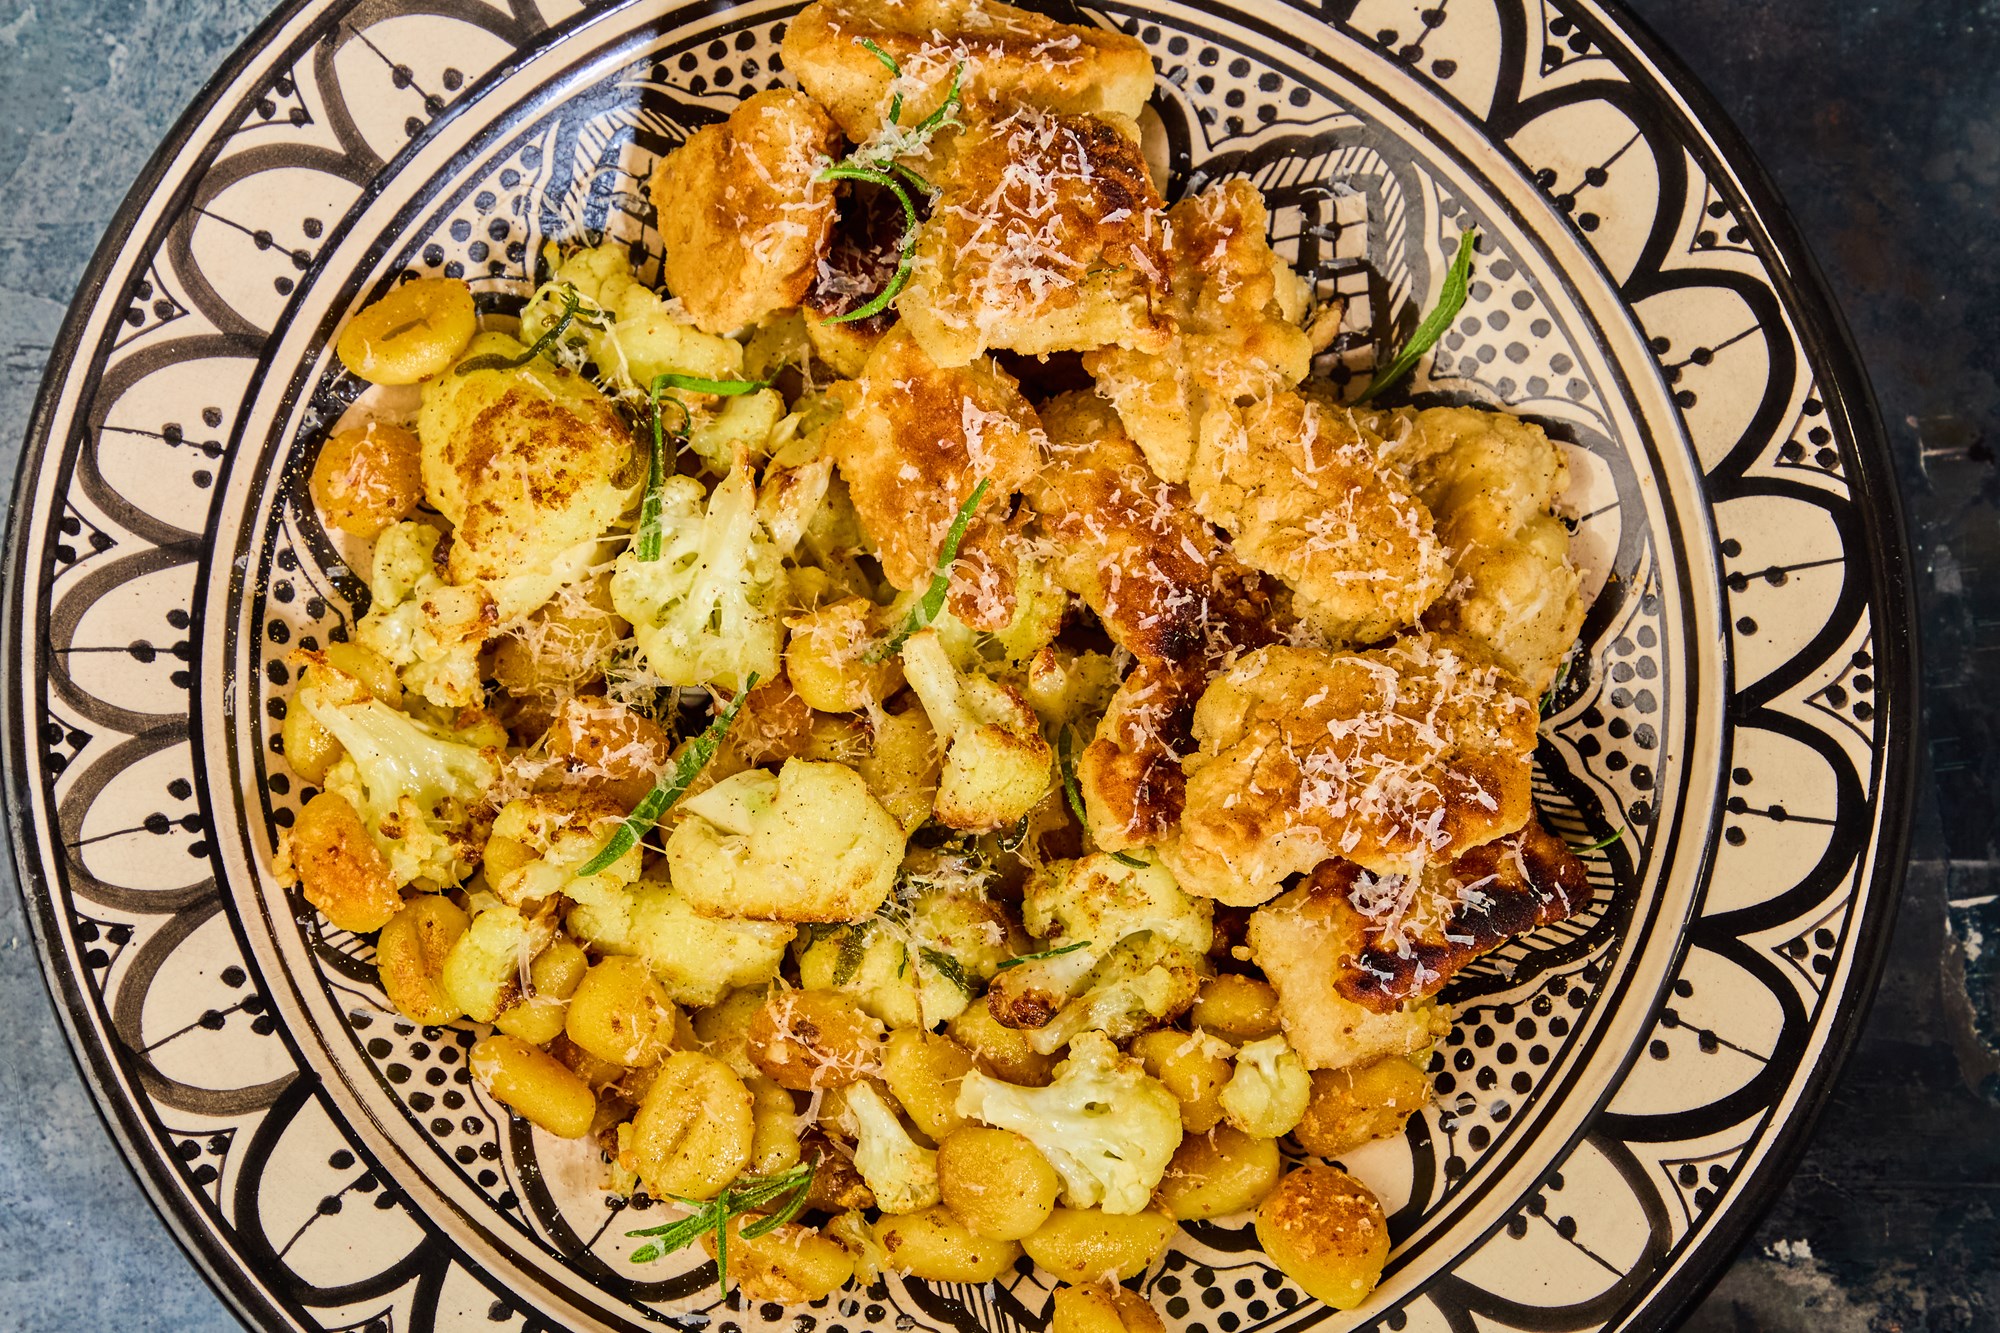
[
  {"x": 708, "y": 610},
  {"x": 997, "y": 764},
  {"x": 1107, "y": 1128},
  {"x": 902, "y": 1175},
  {"x": 413, "y": 785},
  {"x": 808, "y": 843},
  {"x": 1145, "y": 952},
  {"x": 1267, "y": 1094}
]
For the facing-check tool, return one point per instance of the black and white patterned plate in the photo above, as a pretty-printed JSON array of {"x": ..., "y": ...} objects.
[{"x": 1622, "y": 1093}]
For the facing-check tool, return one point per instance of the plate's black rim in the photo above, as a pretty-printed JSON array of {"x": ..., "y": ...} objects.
[
  {"x": 219, "y": 1266},
  {"x": 1845, "y": 388}
]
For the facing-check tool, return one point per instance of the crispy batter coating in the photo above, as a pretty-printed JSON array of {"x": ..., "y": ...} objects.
[
  {"x": 1008, "y": 55},
  {"x": 1130, "y": 774},
  {"x": 1304, "y": 491},
  {"x": 1296, "y": 940},
  {"x": 913, "y": 443},
  {"x": 743, "y": 216},
  {"x": 1399, "y": 937},
  {"x": 1046, "y": 237},
  {"x": 1391, "y": 758},
  {"x": 1236, "y": 310},
  {"x": 1490, "y": 481},
  {"x": 1130, "y": 545}
]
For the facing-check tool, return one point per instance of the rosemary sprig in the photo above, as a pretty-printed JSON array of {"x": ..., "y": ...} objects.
[
  {"x": 746, "y": 1194},
  {"x": 646, "y": 542},
  {"x": 926, "y": 610},
  {"x": 1066, "y": 762},
  {"x": 848, "y": 171},
  {"x": 688, "y": 767},
  {"x": 1599, "y": 845},
  {"x": 1450, "y": 301},
  {"x": 1046, "y": 953},
  {"x": 895, "y": 71},
  {"x": 572, "y": 304}
]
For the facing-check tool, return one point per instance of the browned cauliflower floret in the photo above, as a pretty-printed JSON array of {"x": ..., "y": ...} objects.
[
  {"x": 1490, "y": 481},
  {"x": 1305, "y": 492},
  {"x": 1297, "y": 941},
  {"x": 1046, "y": 237},
  {"x": 1006, "y": 54},
  {"x": 1401, "y": 937},
  {"x": 914, "y": 442},
  {"x": 743, "y": 214},
  {"x": 1236, "y": 310},
  {"x": 1132, "y": 546},
  {"x": 528, "y": 463},
  {"x": 1390, "y": 759},
  {"x": 1130, "y": 774}
]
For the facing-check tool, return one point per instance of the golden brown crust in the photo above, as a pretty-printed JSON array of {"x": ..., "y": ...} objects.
[
  {"x": 1400, "y": 939},
  {"x": 1236, "y": 309},
  {"x": 1133, "y": 548},
  {"x": 1046, "y": 237},
  {"x": 1389, "y": 758},
  {"x": 1007, "y": 55},
  {"x": 743, "y": 216},
  {"x": 1306, "y": 494},
  {"x": 913, "y": 443}
]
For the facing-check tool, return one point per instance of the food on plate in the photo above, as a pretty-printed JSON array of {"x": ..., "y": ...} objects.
[{"x": 925, "y": 734}]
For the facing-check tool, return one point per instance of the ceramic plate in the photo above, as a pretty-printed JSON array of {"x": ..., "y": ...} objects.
[{"x": 1622, "y": 1093}]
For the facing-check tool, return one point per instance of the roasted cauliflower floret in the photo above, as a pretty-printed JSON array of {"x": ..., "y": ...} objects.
[
  {"x": 1107, "y": 1128},
  {"x": 1143, "y": 981},
  {"x": 1389, "y": 759},
  {"x": 1268, "y": 1092},
  {"x": 539, "y": 842},
  {"x": 917, "y": 964},
  {"x": 429, "y": 630},
  {"x": 416, "y": 787},
  {"x": 996, "y": 763},
  {"x": 1491, "y": 482},
  {"x": 1236, "y": 310},
  {"x": 998, "y": 52},
  {"x": 914, "y": 442},
  {"x": 1104, "y": 900},
  {"x": 696, "y": 959},
  {"x": 902, "y": 1175},
  {"x": 623, "y": 327},
  {"x": 808, "y": 843},
  {"x": 744, "y": 216},
  {"x": 1130, "y": 774},
  {"x": 1046, "y": 237},
  {"x": 1307, "y": 496},
  {"x": 1133, "y": 547},
  {"x": 1297, "y": 940},
  {"x": 709, "y": 610},
  {"x": 527, "y": 463}
]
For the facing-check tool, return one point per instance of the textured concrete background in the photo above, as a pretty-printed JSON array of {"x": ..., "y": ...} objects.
[{"x": 1881, "y": 124}]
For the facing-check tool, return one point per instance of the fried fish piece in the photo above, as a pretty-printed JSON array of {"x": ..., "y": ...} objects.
[
  {"x": 1002, "y": 54},
  {"x": 1491, "y": 481},
  {"x": 1164, "y": 584},
  {"x": 1390, "y": 759},
  {"x": 743, "y": 214},
  {"x": 1045, "y": 237},
  {"x": 913, "y": 442},
  {"x": 1304, "y": 491},
  {"x": 1401, "y": 937},
  {"x": 1237, "y": 310}
]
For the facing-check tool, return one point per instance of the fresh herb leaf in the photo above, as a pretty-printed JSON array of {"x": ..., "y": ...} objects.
[
  {"x": 1450, "y": 301},
  {"x": 847, "y": 171},
  {"x": 950, "y": 969},
  {"x": 646, "y": 542},
  {"x": 688, "y": 767},
  {"x": 895, "y": 71},
  {"x": 572, "y": 303},
  {"x": 698, "y": 384},
  {"x": 1066, "y": 762},
  {"x": 946, "y": 113},
  {"x": 853, "y": 948},
  {"x": 1555, "y": 686},
  {"x": 1599, "y": 845},
  {"x": 745, "y": 1194},
  {"x": 926, "y": 610},
  {"x": 1046, "y": 953}
]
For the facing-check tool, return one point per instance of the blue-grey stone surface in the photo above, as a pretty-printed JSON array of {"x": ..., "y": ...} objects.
[{"x": 1881, "y": 125}]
